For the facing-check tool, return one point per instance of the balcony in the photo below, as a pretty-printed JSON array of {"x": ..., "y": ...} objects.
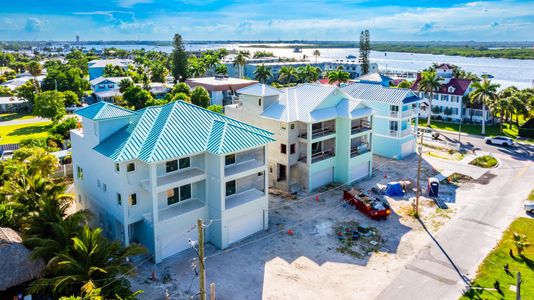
[
  {"x": 319, "y": 156},
  {"x": 321, "y": 129},
  {"x": 243, "y": 197},
  {"x": 188, "y": 175},
  {"x": 409, "y": 113},
  {"x": 361, "y": 126},
  {"x": 178, "y": 209},
  {"x": 359, "y": 149},
  {"x": 243, "y": 166},
  {"x": 406, "y": 132}
]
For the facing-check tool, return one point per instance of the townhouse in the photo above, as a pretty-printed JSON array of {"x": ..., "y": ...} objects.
[
  {"x": 322, "y": 134},
  {"x": 395, "y": 120},
  {"x": 148, "y": 175}
]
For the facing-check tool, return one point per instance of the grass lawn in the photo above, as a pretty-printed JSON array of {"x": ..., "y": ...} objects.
[
  {"x": 11, "y": 134},
  {"x": 486, "y": 161},
  {"x": 16, "y": 116},
  {"x": 492, "y": 268}
]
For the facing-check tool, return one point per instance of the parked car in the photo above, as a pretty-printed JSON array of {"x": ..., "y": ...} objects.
[
  {"x": 529, "y": 206},
  {"x": 428, "y": 132},
  {"x": 499, "y": 140}
]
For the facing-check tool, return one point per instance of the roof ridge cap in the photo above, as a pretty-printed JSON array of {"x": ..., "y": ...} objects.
[{"x": 162, "y": 128}]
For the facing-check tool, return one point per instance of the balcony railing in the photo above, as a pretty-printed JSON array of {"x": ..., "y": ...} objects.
[
  {"x": 243, "y": 197},
  {"x": 319, "y": 156},
  {"x": 242, "y": 167},
  {"x": 359, "y": 149},
  {"x": 317, "y": 133},
  {"x": 409, "y": 113},
  {"x": 406, "y": 132},
  {"x": 360, "y": 128},
  {"x": 393, "y": 133},
  {"x": 174, "y": 177}
]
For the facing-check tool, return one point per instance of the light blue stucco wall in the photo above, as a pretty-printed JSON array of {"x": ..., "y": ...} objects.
[{"x": 95, "y": 72}]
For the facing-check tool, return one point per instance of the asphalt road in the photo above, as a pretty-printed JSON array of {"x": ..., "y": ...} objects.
[{"x": 438, "y": 271}]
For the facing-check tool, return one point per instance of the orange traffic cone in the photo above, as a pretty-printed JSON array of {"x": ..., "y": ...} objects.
[
  {"x": 385, "y": 175},
  {"x": 290, "y": 232},
  {"x": 317, "y": 198}
]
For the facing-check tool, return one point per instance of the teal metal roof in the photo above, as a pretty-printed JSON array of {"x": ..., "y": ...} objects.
[
  {"x": 103, "y": 110},
  {"x": 177, "y": 129}
]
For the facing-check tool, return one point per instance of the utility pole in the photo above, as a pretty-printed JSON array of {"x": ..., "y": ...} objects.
[
  {"x": 417, "y": 192},
  {"x": 518, "y": 284},
  {"x": 202, "y": 273},
  {"x": 212, "y": 291}
]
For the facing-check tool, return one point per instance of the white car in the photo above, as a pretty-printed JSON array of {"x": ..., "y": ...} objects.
[
  {"x": 499, "y": 140},
  {"x": 529, "y": 206}
]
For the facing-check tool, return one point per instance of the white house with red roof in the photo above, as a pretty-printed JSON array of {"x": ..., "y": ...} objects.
[{"x": 448, "y": 103}]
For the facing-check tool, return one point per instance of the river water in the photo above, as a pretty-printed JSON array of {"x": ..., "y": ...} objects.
[{"x": 506, "y": 72}]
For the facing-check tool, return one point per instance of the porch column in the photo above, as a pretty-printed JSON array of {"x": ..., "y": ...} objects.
[{"x": 155, "y": 210}]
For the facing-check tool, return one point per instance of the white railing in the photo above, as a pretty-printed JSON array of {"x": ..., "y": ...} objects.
[
  {"x": 406, "y": 132},
  {"x": 409, "y": 113}
]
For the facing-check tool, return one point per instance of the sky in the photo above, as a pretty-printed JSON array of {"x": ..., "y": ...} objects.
[{"x": 393, "y": 20}]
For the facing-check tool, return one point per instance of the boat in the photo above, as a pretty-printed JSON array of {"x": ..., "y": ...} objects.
[
  {"x": 486, "y": 75},
  {"x": 351, "y": 56},
  {"x": 297, "y": 50}
]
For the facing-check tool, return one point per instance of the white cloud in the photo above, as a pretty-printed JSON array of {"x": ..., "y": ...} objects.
[
  {"x": 34, "y": 25},
  {"x": 130, "y": 3}
]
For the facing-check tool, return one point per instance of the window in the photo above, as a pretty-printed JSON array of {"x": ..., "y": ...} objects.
[
  {"x": 393, "y": 125},
  {"x": 317, "y": 126},
  {"x": 281, "y": 172},
  {"x": 229, "y": 159},
  {"x": 101, "y": 86},
  {"x": 283, "y": 148},
  {"x": 98, "y": 183},
  {"x": 119, "y": 199},
  {"x": 104, "y": 187},
  {"x": 178, "y": 194},
  {"x": 394, "y": 108},
  {"x": 283, "y": 126},
  {"x": 110, "y": 86},
  {"x": 436, "y": 97},
  {"x": 259, "y": 102},
  {"x": 292, "y": 148},
  {"x": 316, "y": 147},
  {"x": 292, "y": 126},
  {"x": 132, "y": 199},
  {"x": 230, "y": 188},
  {"x": 172, "y": 196},
  {"x": 185, "y": 163},
  {"x": 171, "y": 166},
  {"x": 130, "y": 167},
  {"x": 185, "y": 192},
  {"x": 79, "y": 172},
  {"x": 117, "y": 168}
]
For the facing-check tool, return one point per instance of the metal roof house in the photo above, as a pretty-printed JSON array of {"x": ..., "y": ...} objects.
[
  {"x": 322, "y": 134},
  {"x": 96, "y": 67},
  {"x": 396, "y": 110},
  {"x": 148, "y": 175}
]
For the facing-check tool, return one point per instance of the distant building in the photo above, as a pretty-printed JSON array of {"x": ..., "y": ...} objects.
[
  {"x": 149, "y": 175},
  {"x": 448, "y": 102},
  {"x": 105, "y": 88},
  {"x": 96, "y": 67},
  {"x": 13, "y": 104},
  {"x": 77, "y": 38},
  {"x": 221, "y": 89},
  {"x": 323, "y": 135}
]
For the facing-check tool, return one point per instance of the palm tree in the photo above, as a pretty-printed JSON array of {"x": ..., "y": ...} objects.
[
  {"x": 210, "y": 61},
  {"x": 484, "y": 92},
  {"x": 240, "y": 61},
  {"x": 287, "y": 74},
  {"x": 221, "y": 69},
  {"x": 92, "y": 262},
  {"x": 158, "y": 72},
  {"x": 338, "y": 76},
  {"x": 520, "y": 241},
  {"x": 35, "y": 69},
  {"x": 308, "y": 73},
  {"x": 124, "y": 84},
  {"x": 429, "y": 84},
  {"x": 502, "y": 105},
  {"x": 316, "y": 53},
  {"x": 196, "y": 68},
  {"x": 262, "y": 73}
]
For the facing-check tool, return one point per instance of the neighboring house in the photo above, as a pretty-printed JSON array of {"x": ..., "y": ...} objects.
[
  {"x": 375, "y": 78},
  {"x": 105, "y": 88},
  {"x": 96, "y": 67},
  {"x": 13, "y": 104},
  {"x": 221, "y": 89},
  {"x": 350, "y": 66},
  {"x": 396, "y": 111},
  {"x": 448, "y": 102},
  {"x": 149, "y": 175},
  {"x": 159, "y": 90},
  {"x": 16, "y": 82},
  {"x": 322, "y": 134}
]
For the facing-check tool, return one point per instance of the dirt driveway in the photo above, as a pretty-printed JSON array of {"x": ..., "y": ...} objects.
[{"x": 306, "y": 264}]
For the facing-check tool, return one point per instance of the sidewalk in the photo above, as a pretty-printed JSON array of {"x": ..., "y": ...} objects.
[
  {"x": 21, "y": 122},
  {"x": 448, "y": 167}
]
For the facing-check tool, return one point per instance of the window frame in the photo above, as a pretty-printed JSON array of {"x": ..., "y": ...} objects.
[
  {"x": 118, "y": 199},
  {"x": 283, "y": 148},
  {"x": 226, "y": 158},
  {"x": 171, "y": 166},
  {"x": 132, "y": 199},
  {"x": 128, "y": 167},
  {"x": 226, "y": 189},
  {"x": 188, "y": 159},
  {"x": 292, "y": 148}
]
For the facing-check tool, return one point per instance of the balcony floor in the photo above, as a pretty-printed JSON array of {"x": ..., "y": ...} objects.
[
  {"x": 180, "y": 208},
  {"x": 242, "y": 198},
  {"x": 178, "y": 176},
  {"x": 242, "y": 167}
]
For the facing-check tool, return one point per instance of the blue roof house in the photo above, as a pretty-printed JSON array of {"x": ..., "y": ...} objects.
[
  {"x": 96, "y": 67},
  {"x": 396, "y": 110},
  {"x": 148, "y": 175}
]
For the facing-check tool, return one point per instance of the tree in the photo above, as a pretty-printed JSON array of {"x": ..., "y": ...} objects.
[
  {"x": 181, "y": 96},
  {"x": 365, "y": 49},
  {"x": 6, "y": 92},
  {"x": 287, "y": 74},
  {"x": 92, "y": 262},
  {"x": 216, "y": 109},
  {"x": 114, "y": 71},
  {"x": 179, "y": 60},
  {"x": 71, "y": 98},
  {"x": 338, "y": 76},
  {"x": 484, "y": 92},
  {"x": 429, "y": 84},
  {"x": 520, "y": 241},
  {"x": 200, "y": 97},
  {"x": 405, "y": 84},
  {"x": 50, "y": 105},
  {"x": 240, "y": 61},
  {"x": 64, "y": 126},
  {"x": 137, "y": 97},
  {"x": 158, "y": 73},
  {"x": 262, "y": 73},
  {"x": 181, "y": 87},
  {"x": 124, "y": 84},
  {"x": 308, "y": 73},
  {"x": 221, "y": 69},
  {"x": 26, "y": 91},
  {"x": 196, "y": 68},
  {"x": 316, "y": 53},
  {"x": 35, "y": 69}
]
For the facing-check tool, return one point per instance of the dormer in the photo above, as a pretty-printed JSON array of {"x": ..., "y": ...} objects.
[
  {"x": 257, "y": 97},
  {"x": 451, "y": 89}
]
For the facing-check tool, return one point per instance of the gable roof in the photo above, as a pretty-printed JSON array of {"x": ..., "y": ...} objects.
[
  {"x": 308, "y": 103},
  {"x": 379, "y": 93},
  {"x": 101, "y": 63},
  {"x": 101, "y": 79},
  {"x": 103, "y": 110},
  {"x": 176, "y": 129},
  {"x": 260, "y": 90},
  {"x": 373, "y": 78},
  {"x": 460, "y": 86},
  {"x": 445, "y": 67}
]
